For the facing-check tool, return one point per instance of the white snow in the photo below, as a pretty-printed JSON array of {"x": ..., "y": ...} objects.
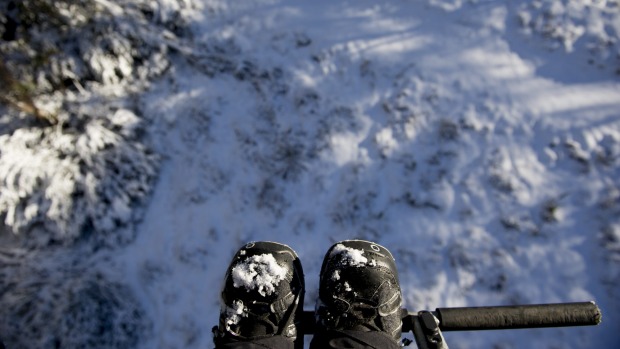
[
  {"x": 259, "y": 272},
  {"x": 479, "y": 141},
  {"x": 350, "y": 256},
  {"x": 235, "y": 313}
]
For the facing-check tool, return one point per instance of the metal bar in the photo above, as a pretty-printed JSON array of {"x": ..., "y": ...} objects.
[
  {"x": 308, "y": 323},
  {"x": 520, "y": 316},
  {"x": 498, "y": 317}
]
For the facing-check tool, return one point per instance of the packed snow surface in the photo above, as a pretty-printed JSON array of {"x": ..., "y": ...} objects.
[
  {"x": 259, "y": 272},
  {"x": 479, "y": 141}
]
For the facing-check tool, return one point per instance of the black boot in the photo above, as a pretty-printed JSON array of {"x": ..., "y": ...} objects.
[
  {"x": 262, "y": 299},
  {"x": 359, "y": 296}
]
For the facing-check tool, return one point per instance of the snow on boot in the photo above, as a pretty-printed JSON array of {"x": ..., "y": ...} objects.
[
  {"x": 359, "y": 289},
  {"x": 262, "y": 298}
]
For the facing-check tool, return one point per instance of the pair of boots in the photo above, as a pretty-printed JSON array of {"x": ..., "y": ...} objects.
[{"x": 359, "y": 303}]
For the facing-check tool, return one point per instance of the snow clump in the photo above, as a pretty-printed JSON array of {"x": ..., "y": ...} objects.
[
  {"x": 235, "y": 313},
  {"x": 259, "y": 272},
  {"x": 350, "y": 256}
]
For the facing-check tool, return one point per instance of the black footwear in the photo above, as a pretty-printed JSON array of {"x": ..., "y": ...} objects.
[
  {"x": 262, "y": 296},
  {"x": 359, "y": 290}
]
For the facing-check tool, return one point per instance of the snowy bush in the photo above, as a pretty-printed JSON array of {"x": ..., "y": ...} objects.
[
  {"x": 61, "y": 183},
  {"x": 68, "y": 44},
  {"x": 67, "y": 309},
  {"x": 565, "y": 22},
  {"x": 78, "y": 64}
]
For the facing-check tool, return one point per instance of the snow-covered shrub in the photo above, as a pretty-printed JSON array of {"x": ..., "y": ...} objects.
[
  {"x": 82, "y": 62},
  {"x": 67, "y": 309},
  {"x": 68, "y": 44},
  {"x": 61, "y": 183},
  {"x": 565, "y": 22}
]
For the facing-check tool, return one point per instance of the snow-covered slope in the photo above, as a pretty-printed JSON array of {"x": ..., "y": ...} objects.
[{"x": 479, "y": 141}]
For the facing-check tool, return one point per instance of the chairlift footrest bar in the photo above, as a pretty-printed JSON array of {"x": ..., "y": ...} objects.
[{"x": 497, "y": 317}]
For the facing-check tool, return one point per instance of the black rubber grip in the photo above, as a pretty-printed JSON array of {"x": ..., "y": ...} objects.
[{"x": 520, "y": 316}]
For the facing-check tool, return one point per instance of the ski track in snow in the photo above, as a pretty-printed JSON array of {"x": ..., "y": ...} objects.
[{"x": 486, "y": 164}]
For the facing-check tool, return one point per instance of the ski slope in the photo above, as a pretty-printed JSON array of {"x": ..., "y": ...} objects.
[{"x": 420, "y": 128}]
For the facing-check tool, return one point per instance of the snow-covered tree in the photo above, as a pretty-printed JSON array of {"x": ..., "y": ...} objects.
[{"x": 76, "y": 66}]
